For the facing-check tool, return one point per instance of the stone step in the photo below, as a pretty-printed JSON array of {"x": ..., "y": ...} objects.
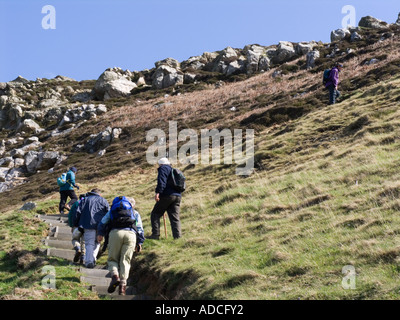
[
  {"x": 57, "y": 243},
  {"x": 60, "y": 236},
  {"x": 61, "y": 253},
  {"x": 53, "y": 217},
  {"x": 61, "y": 229},
  {"x": 55, "y": 223},
  {"x": 95, "y": 272},
  {"x": 130, "y": 293},
  {"x": 96, "y": 281}
]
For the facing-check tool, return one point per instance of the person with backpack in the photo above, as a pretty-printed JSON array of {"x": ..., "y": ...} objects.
[
  {"x": 89, "y": 213},
  {"x": 67, "y": 183},
  {"x": 126, "y": 236},
  {"x": 331, "y": 81},
  {"x": 77, "y": 233},
  {"x": 168, "y": 198}
]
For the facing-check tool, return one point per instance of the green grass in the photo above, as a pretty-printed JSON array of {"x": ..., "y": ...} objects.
[{"x": 324, "y": 195}]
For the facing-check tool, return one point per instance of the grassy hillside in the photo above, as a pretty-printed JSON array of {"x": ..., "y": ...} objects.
[{"x": 324, "y": 194}]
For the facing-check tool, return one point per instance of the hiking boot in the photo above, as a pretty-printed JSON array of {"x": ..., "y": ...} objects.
[
  {"x": 90, "y": 265},
  {"x": 154, "y": 237},
  {"x": 78, "y": 254},
  {"x": 122, "y": 289},
  {"x": 113, "y": 284}
]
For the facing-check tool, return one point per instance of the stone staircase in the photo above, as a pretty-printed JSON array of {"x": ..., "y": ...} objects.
[{"x": 59, "y": 245}]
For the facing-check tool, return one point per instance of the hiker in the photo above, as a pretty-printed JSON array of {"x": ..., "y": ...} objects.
[
  {"x": 67, "y": 190},
  {"x": 332, "y": 83},
  {"x": 167, "y": 199},
  {"x": 77, "y": 233},
  {"x": 126, "y": 236},
  {"x": 89, "y": 213}
]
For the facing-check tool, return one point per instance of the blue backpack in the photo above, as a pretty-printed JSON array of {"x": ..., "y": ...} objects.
[
  {"x": 121, "y": 214},
  {"x": 327, "y": 73},
  {"x": 62, "y": 180}
]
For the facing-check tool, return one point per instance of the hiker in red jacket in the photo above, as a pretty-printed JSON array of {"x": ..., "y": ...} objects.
[{"x": 332, "y": 83}]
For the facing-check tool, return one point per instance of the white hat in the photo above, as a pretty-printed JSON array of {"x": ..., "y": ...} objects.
[{"x": 163, "y": 161}]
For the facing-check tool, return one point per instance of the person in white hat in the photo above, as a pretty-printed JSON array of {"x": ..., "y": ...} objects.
[{"x": 167, "y": 199}]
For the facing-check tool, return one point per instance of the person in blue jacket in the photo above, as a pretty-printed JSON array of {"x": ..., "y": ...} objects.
[
  {"x": 89, "y": 213},
  {"x": 167, "y": 199},
  {"x": 67, "y": 190}
]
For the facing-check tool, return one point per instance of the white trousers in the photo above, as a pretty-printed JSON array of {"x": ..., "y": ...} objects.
[{"x": 91, "y": 246}]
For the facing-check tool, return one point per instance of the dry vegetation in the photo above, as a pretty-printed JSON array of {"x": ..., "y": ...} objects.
[{"x": 324, "y": 193}]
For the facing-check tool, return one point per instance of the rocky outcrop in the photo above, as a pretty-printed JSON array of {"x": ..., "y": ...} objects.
[
  {"x": 371, "y": 22},
  {"x": 113, "y": 83},
  {"x": 166, "y": 76},
  {"x": 339, "y": 34},
  {"x": 102, "y": 140},
  {"x": 311, "y": 58}
]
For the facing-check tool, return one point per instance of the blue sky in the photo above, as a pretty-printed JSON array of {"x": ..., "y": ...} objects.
[{"x": 93, "y": 35}]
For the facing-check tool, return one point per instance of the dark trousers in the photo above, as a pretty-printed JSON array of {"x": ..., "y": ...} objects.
[
  {"x": 171, "y": 204},
  {"x": 64, "y": 197},
  {"x": 333, "y": 94}
]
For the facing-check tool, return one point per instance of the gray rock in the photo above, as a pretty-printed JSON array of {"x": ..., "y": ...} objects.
[
  {"x": 101, "y": 109},
  {"x": 339, "y": 34},
  {"x": 30, "y": 126},
  {"x": 398, "y": 20},
  {"x": 355, "y": 36},
  {"x": 234, "y": 67},
  {"x": 102, "y": 140},
  {"x": 371, "y": 22},
  {"x": 169, "y": 62},
  {"x": 284, "y": 52},
  {"x": 47, "y": 160},
  {"x": 166, "y": 76},
  {"x": 264, "y": 63},
  {"x": 311, "y": 58},
  {"x": 254, "y": 53},
  {"x": 28, "y": 206},
  {"x": 49, "y": 103},
  {"x": 84, "y": 96},
  {"x": 101, "y": 153},
  {"x": 112, "y": 84},
  {"x": 304, "y": 48},
  {"x": 31, "y": 161}
]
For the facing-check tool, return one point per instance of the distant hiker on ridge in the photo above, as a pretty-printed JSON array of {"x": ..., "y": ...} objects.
[
  {"x": 67, "y": 189},
  {"x": 331, "y": 82}
]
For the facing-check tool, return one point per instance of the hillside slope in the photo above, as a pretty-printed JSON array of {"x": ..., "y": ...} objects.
[{"x": 324, "y": 193}]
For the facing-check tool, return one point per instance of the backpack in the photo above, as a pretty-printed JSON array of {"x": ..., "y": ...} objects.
[
  {"x": 62, "y": 180},
  {"x": 327, "y": 73},
  {"x": 178, "y": 180},
  {"x": 121, "y": 214}
]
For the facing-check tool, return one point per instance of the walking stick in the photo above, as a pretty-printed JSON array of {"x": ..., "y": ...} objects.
[{"x": 165, "y": 226}]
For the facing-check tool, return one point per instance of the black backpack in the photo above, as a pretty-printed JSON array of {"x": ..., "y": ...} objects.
[
  {"x": 327, "y": 73},
  {"x": 178, "y": 180}
]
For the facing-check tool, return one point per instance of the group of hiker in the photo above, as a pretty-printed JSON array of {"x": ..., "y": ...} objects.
[{"x": 119, "y": 226}]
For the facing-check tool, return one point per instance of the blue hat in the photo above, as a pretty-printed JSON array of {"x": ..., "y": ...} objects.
[{"x": 73, "y": 169}]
